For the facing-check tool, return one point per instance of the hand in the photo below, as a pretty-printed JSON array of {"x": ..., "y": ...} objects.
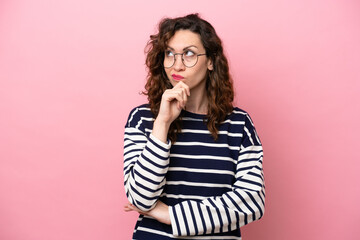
[
  {"x": 172, "y": 102},
  {"x": 160, "y": 212}
]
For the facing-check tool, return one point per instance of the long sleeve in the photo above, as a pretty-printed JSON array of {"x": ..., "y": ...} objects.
[
  {"x": 243, "y": 204},
  {"x": 146, "y": 162}
]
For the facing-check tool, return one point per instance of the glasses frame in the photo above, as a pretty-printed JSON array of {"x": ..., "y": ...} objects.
[{"x": 183, "y": 61}]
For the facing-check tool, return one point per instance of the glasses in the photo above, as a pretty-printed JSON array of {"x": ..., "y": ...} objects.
[{"x": 189, "y": 58}]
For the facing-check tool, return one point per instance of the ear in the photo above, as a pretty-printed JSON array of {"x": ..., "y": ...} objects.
[{"x": 210, "y": 65}]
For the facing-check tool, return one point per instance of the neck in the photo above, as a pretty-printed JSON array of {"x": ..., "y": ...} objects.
[{"x": 197, "y": 102}]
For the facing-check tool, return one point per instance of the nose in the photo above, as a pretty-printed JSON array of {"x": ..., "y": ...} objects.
[{"x": 178, "y": 65}]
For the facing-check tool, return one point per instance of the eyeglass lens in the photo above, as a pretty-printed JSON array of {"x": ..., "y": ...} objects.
[{"x": 189, "y": 60}]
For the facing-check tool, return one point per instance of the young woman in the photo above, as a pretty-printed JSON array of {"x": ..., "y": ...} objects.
[{"x": 192, "y": 161}]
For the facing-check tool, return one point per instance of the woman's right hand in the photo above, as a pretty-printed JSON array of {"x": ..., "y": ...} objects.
[{"x": 172, "y": 102}]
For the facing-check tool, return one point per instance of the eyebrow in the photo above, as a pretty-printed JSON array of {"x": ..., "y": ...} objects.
[{"x": 184, "y": 47}]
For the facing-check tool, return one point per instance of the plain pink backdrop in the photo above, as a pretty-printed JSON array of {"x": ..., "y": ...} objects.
[{"x": 70, "y": 72}]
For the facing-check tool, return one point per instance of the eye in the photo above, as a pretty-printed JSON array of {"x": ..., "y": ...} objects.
[
  {"x": 169, "y": 53},
  {"x": 189, "y": 53}
]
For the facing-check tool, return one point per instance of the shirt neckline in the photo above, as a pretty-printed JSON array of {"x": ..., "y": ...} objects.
[{"x": 194, "y": 115}]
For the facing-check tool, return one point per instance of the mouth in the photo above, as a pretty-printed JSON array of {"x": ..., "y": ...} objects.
[{"x": 177, "y": 77}]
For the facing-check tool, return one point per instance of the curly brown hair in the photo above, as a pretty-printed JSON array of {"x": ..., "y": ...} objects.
[{"x": 219, "y": 85}]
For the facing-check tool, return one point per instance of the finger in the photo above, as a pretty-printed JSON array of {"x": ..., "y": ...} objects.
[
  {"x": 127, "y": 210},
  {"x": 183, "y": 85},
  {"x": 182, "y": 98},
  {"x": 170, "y": 94},
  {"x": 130, "y": 208},
  {"x": 127, "y": 207},
  {"x": 175, "y": 94},
  {"x": 187, "y": 89},
  {"x": 185, "y": 97},
  {"x": 184, "y": 93}
]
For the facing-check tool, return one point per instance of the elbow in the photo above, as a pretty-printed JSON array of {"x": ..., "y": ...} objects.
[
  {"x": 144, "y": 198},
  {"x": 143, "y": 205},
  {"x": 143, "y": 202},
  {"x": 261, "y": 208},
  {"x": 261, "y": 212}
]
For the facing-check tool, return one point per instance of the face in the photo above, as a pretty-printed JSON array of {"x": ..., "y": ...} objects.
[{"x": 185, "y": 41}]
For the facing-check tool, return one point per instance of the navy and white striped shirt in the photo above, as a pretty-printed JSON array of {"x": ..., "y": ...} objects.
[{"x": 212, "y": 187}]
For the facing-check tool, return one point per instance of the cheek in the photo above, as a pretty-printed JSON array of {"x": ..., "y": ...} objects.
[
  {"x": 200, "y": 72},
  {"x": 167, "y": 73}
]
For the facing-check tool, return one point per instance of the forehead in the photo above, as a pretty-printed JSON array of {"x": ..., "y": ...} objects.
[{"x": 185, "y": 38}]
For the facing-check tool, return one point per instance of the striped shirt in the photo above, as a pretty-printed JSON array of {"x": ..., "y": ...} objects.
[{"x": 212, "y": 187}]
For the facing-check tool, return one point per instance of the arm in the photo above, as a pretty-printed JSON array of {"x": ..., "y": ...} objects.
[
  {"x": 146, "y": 159},
  {"x": 244, "y": 204}
]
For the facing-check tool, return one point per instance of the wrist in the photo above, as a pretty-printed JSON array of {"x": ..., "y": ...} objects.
[
  {"x": 160, "y": 129},
  {"x": 161, "y": 121},
  {"x": 162, "y": 124}
]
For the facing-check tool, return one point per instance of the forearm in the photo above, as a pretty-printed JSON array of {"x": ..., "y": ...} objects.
[
  {"x": 160, "y": 130},
  {"x": 216, "y": 214}
]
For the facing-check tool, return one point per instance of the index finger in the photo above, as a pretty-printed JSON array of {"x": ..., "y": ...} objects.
[{"x": 185, "y": 86}]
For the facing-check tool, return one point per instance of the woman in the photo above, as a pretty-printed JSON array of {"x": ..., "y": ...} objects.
[{"x": 192, "y": 161}]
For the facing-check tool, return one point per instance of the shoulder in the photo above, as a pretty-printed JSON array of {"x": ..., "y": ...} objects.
[
  {"x": 250, "y": 136},
  {"x": 141, "y": 109},
  {"x": 241, "y": 117},
  {"x": 138, "y": 113},
  {"x": 238, "y": 114},
  {"x": 238, "y": 119},
  {"x": 238, "y": 111}
]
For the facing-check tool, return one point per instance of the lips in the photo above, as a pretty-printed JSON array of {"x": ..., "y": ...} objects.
[{"x": 177, "y": 77}]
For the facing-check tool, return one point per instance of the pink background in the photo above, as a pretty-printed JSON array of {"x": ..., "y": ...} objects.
[{"x": 70, "y": 71}]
